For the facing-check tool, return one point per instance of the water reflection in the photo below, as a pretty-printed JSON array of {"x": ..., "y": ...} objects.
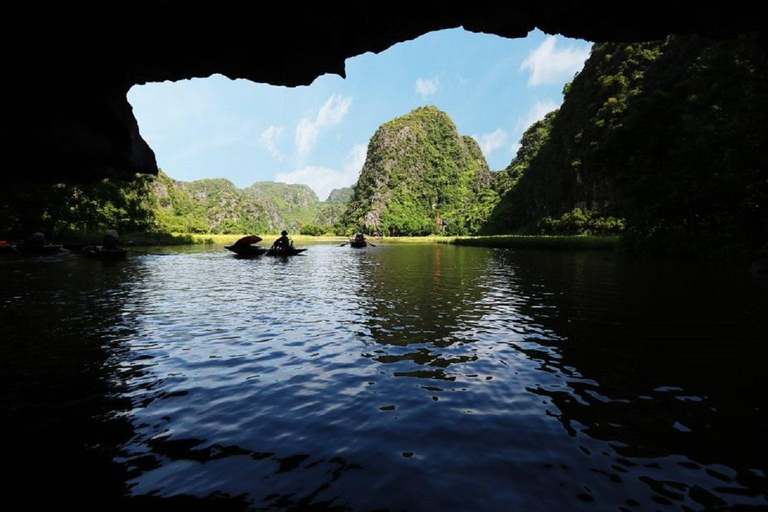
[
  {"x": 392, "y": 378},
  {"x": 657, "y": 359},
  {"x": 416, "y": 310},
  {"x": 62, "y": 380}
]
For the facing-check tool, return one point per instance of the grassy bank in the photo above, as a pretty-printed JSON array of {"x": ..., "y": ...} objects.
[
  {"x": 602, "y": 243},
  {"x": 268, "y": 239},
  {"x": 399, "y": 240},
  {"x": 508, "y": 241}
]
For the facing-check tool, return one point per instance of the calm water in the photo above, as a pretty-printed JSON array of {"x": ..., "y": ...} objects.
[{"x": 416, "y": 378}]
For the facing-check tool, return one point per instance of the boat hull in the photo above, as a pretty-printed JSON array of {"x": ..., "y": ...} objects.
[
  {"x": 284, "y": 252},
  {"x": 246, "y": 251}
]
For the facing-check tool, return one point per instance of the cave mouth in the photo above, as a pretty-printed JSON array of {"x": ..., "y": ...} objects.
[
  {"x": 69, "y": 121},
  {"x": 492, "y": 87}
]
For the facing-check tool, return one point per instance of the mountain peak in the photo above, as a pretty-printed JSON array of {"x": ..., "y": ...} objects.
[{"x": 420, "y": 176}]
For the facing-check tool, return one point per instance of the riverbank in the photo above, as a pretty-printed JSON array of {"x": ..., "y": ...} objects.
[
  {"x": 601, "y": 243},
  {"x": 500, "y": 241}
]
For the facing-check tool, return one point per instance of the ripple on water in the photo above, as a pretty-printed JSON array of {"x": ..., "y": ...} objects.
[{"x": 414, "y": 377}]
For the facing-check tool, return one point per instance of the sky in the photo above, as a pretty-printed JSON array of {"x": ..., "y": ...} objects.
[{"x": 491, "y": 87}]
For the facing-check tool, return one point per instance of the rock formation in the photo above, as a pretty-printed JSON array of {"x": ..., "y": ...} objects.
[{"x": 68, "y": 66}]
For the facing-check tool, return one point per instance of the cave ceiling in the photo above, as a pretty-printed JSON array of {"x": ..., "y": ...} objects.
[{"x": 68, "y": 66}]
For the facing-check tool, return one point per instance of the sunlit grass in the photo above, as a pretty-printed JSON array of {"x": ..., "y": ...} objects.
[
  {"x": 307, "y": 239},
  {"x": 505, "y": 241},
  {"x": 267, "y": 239},
  {"x": 431, "y": 239}
]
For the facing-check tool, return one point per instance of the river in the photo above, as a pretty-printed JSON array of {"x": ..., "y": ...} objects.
[{"x": 411, "y": 377}]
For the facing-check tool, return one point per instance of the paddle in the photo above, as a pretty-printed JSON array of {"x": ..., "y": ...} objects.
[
  {"x": 150, "y": 253},
  {"x": 345, "y": 243}
]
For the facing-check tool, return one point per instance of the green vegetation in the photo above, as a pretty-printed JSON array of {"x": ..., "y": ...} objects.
[
  {"x": 421, "y": 177},
  {"x": 602, "y": 243},
  {"x": 661, "y": 143},
  {"x": 581, "y": 222},
  {"x": 75, "y": 209},
  {"x": 333, "y": 209},
  {"x": 669, "y": 136},
  {"x": 217, "y": 207},
  {"x": 314, "y": 230},
  {"x": 212, "y": 206},
  {"x": 158, "y": 209},
  {"x": 286, "y": 206}
]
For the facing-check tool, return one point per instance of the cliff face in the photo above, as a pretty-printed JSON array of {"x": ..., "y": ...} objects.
[
  {"x": 670, "y": 135},
  {"x": 217, "y": 206},
  {"x": 420, "y": 176},
  {"x": 205, "y": 206},
  {"x": 286, "y": 206}
]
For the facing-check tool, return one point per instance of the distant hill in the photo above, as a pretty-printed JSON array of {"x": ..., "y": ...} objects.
[
  {"x": 287, "y": 206},
  {"x": 420, "y": 176},
  {"x": 334, "y": 206},
  {"x": 340, "y": 196},
  {"x": 206, "y": 206},
  {"x": 217, "y": 206}
]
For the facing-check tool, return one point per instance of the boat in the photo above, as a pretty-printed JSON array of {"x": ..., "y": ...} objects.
[
  {"x": 290, "y": 251},
  {"x": 246, "y": 251},
  {"x": 359, "y": 241},
  {"x": 244, "y": 247},
  {"x": 98, "y": 251}
]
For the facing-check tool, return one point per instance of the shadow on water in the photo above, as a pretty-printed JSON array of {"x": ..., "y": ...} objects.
[
  {"x": 62, "y": 381},
  {"x": 395, "y": 378},
  {"x": 659, "y": 359},
  {"x": 656, "y": 361}
]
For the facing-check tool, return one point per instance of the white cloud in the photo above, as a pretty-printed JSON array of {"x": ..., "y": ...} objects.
[
  {"x": 489, "y": 142},
  {"x": 308, "y": 129},
  {"x": 334, "y": 110},
  {"x": 427, "y": 86},
  {"x": 320, "y": 179},
  {"x": 355, "y": 159},
  {"x": 536, "y": 113},
  {"x": 549, "y": 64},
  {"x": 268, "y": 139}
]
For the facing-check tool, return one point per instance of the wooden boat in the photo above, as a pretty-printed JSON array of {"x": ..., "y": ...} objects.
[
  {"x": 246, "y": 251},
  {"x": 358, "y": 243},
  {"x": 291, "y": 251},
  {"x": 98, "y": 251}
]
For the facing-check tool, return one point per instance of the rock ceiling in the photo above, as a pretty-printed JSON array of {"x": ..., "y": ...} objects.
[{"x": 68, "y": 67}]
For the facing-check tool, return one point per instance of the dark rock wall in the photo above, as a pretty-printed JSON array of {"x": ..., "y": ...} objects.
[{"x": 68, "y": 66}]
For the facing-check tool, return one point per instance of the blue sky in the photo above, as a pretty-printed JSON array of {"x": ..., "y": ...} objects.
[{"x": 493, "y": 89}]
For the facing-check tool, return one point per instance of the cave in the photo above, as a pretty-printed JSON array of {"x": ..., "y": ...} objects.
[{"x": 69, "y": 67}]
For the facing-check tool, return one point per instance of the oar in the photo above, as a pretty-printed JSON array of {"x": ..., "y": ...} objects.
[
  {"x": 150, "y": 253},
  {"x": 345, "y": 243}
]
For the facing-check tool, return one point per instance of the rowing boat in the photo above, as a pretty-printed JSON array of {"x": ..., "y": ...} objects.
[
  {"x": 290, "y": 251},
  {"x": 246, "y": 251}
]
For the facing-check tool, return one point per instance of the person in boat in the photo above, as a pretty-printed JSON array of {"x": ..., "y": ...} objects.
[
  {"x": 37, "y": 240},
  {"x": 283, "y": 243},
  {"x": 111, "y": 240},
  {"x": 360, "y": 238}
]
